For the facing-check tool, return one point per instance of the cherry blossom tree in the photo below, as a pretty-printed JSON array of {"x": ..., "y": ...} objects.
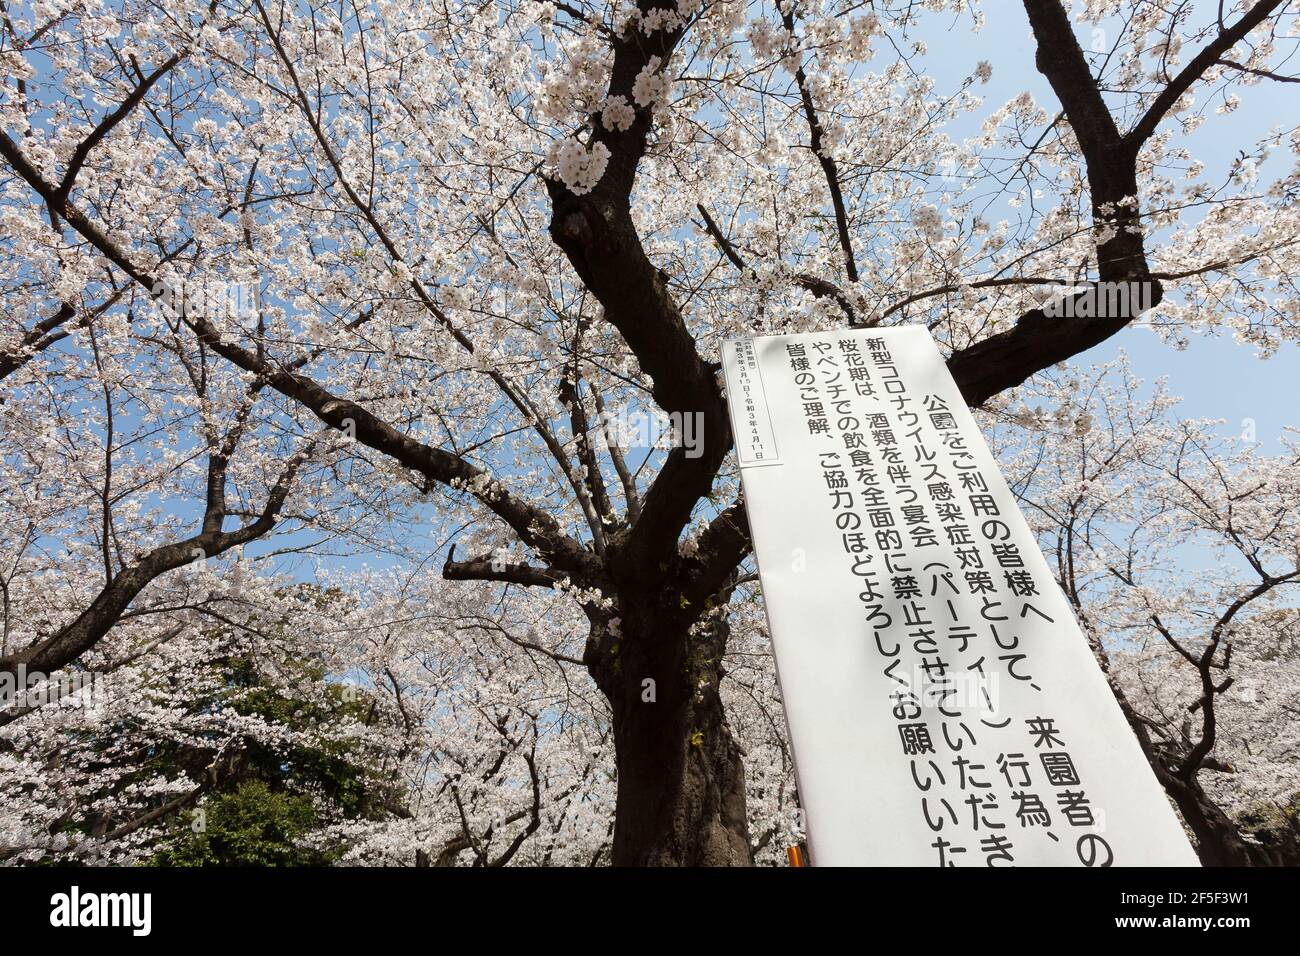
[
  {"x": 1179, "y": 549},
  {"x": 110, "y": 768},
  {"x": 475, "y": 234}
]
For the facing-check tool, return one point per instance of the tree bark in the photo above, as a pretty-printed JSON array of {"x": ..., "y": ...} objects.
[
  {"x": 681, "y": 779},
  {"x": 1219, "y": 841}
]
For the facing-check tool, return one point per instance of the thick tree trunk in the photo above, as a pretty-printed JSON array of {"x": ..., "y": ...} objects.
[
  {"x": 1219, "y": 839},
  {"x": 681, "y": 780}
]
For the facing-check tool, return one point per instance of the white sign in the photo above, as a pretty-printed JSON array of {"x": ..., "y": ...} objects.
[{"x": 944, "y": 707}]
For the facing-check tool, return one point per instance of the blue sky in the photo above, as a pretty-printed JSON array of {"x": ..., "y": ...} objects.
[{"x": 1216, "y": 377}]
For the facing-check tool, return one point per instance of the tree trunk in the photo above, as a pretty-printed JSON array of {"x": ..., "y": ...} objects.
[
  {"x": 1219, "y": 840},
  {"x": 681, "y": 780}
]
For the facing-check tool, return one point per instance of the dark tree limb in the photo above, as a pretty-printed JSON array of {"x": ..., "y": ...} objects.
[
  {"x": 535, "y": 527},
  {"x": 819, "y": 287},
  {"x": 73, "y": 640},
  {"x": 1210, "y": 54},
  {"x": 1267, "y": 74},
  {"x": 490, "y": 569},
  {"x": 625, "y": 476},
  {"x": 597, "y": 235},
  {"x": 816, "y": 141},
  {"x": 105, "y": 126}
]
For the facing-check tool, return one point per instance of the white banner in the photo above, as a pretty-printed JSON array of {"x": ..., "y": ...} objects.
[{"x": 943, "y": 704}]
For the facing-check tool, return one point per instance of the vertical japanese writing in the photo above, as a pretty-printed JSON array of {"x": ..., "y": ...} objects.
[
  {"x": 755, "y": 441},
  {"x": 943, "y": 593}
]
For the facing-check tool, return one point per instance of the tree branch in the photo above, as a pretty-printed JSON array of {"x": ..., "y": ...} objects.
[
  {"x": 1196, "y": 67},
  {"x": 490, "y": 569}
]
